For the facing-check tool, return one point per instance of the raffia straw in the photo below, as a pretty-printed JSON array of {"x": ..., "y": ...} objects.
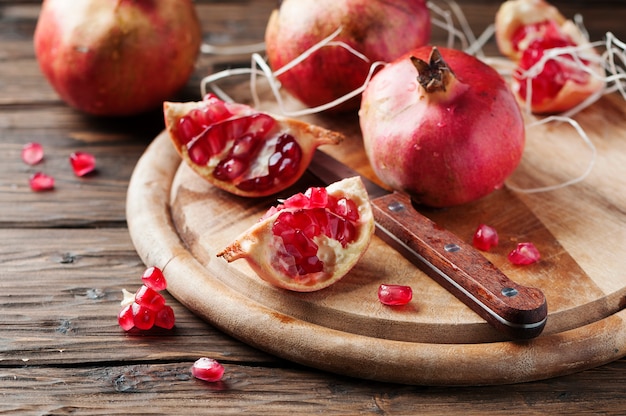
[{"x": 583, "y": 135}]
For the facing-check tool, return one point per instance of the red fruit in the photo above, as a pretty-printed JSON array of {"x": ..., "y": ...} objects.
[
  {"x": 394, "y": 295},
  {"x": 126, "y": 318},
  {"x": 528, "y": 29},
  {"x": 442, "y": 126},
  {"x": 311, "y": 240},
  {"x": 146, "y": 307},
  {"x": 154, "y": 279},
  {"x": 485, "y": 237},
  {"x": 143, "y": 317},
  {"x": 32, "y": 153},
  {"x": 165, "y": 318},
  {"x": 379, "y": 30},
  {"x": 118, "y": 57},
  {"x": 41, "y": 182},
  {"x": 207, "y": 369},
  {"x": 149, "y": 298},
  {"x": 241, "y": 150},
  {"x": 82, "y": 163},
  {"x": 524, "y": 254}
]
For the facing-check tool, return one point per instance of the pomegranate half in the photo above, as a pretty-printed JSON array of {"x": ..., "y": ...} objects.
[
  {"x": 311, "y": 240},
  {"x": 525, "y": 31},
  {"x": 442, "y": 126},
  {"x": 379, "y": 30},
  {"x": 117, "y": 57},
  {"x": 241, "y": 150}
]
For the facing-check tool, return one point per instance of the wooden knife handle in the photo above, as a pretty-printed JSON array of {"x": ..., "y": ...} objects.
[{"x": 518, "y": 311}]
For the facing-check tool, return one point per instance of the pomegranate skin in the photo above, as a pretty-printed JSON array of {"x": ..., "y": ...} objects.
[
  {"x": 445, "y": 148},
  {"x": 380, "y": 30},
  {"x": 117, "y": 58}
]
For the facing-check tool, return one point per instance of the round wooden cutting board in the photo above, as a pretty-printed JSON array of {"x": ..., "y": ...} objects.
[{"x": 179, "y": 222}]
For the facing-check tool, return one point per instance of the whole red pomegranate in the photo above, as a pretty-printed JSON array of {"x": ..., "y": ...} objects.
[
  {"x": 442, "y": 126},
  {"x": 380, "y": 30},
  {"x": 117, "y": 57}
]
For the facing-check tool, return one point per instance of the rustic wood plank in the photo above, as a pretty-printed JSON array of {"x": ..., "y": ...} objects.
[
  {"x": 60, "y": 292},
  {"x": 165, "y": 388}
]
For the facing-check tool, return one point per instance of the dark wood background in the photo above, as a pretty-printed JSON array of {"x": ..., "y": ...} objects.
[{"x": 66, "y": 255}]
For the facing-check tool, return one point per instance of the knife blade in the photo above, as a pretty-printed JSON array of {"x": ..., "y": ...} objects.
[{"x": 518, "y": 311}]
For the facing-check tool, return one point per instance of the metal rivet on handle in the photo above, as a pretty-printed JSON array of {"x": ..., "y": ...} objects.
[
  {"x": 451, "y": 248},
  {"x": 396, "y": 206},
  {"x": 509, "y": 292}
]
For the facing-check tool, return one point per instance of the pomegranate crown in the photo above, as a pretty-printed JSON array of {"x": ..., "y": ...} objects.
[{"x": 435, "y": 74}]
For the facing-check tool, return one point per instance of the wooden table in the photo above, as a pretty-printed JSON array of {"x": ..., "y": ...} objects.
[{"x": 66, "y": 255}]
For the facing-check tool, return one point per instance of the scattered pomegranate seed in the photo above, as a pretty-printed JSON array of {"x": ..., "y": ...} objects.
[
  {"x": 125, "y": 318},
  {"x": 165, "y": 317},
  {"x": 394, "y": 295},
  {"x": 32, "y": 153},
  {"x": 149, "y": 298},
  {"x": 524, "y": 253},
  {"x": 41, "y": 182},
  {"x": 207, "y": 369},
  {"x": 485, "y": 237},
  {"x": 82, "y": 163},
  {"x": 154, "y": 279},
  {"x": 143, "y": 316},
  {"x": 146, "y": 308}
]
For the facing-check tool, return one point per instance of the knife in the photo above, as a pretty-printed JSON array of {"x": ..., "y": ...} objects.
[{"x": 520, "y": 312}]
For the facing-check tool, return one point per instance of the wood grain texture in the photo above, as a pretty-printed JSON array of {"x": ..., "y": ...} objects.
[
  {"x": 64, "y": 257},
  {"x": 126, "y": 389}
]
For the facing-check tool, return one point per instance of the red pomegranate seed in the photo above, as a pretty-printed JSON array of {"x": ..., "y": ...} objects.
[
  {"x": 288, "y": 146},
  {"x": 32, "y": 153},
  {"x": 546, "y": 29},
  {"x": 347, "y": 209},
  {"x": 524, "y": 253},
  {"x": 82, "y": 163},
  {"x": 485, "y": 237},
  {"x": 188, "y": 129},
  {"x": 165, "y": 317},
  {"x": 244, "y": 146},
  {"x": 143, "y": 317},
  {"x": 546, "y": 35},
  {"x": 149, "y": 298},
  {"x": 317, "y": 197},
  {"x": 126, "y": 318},
  {"x": 207, "y": 369},
  {"x": 154, "y": 279},
  {"x": 297, "y": 201},
  {"x": 394, "y": 295},
  {"x": 41, "y": 182},
  {"x": 217, "y": 108},
  {"x": 230, "y": 169},
  {"x": 286, "y": 159},
  {"x": 283, "y": 163},
  {"x": 259, "y": 183},
  {"x": 316, "y": 213}
]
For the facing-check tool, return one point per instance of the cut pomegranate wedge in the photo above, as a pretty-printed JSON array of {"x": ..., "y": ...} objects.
[
  {"x": 311, "y": 240},
  {"x": 242, "y": 150},
  {"x": 525, "y": 31}
]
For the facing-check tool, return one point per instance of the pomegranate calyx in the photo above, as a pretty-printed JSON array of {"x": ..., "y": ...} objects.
[{"x": 434, "y": 75}]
